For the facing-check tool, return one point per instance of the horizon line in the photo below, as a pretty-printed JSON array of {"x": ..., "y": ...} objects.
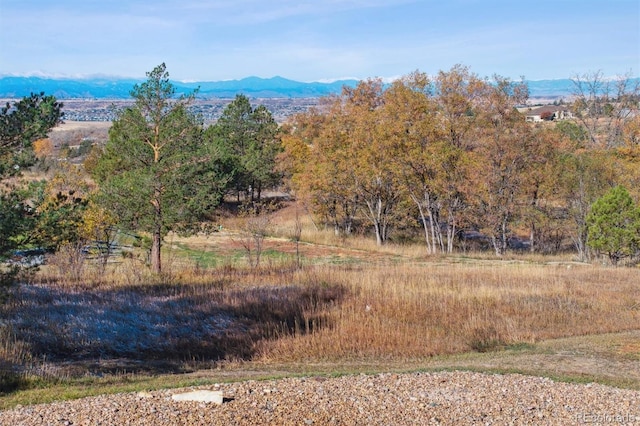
[{"x": 113, "y": 77}]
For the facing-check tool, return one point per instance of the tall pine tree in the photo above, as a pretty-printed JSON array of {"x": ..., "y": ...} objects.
[{"x": 157, "y": 174}]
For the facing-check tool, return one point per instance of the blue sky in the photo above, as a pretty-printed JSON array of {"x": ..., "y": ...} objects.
[{"x": 316, "y": 40}]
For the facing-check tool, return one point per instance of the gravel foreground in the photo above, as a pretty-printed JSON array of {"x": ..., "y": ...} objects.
[{"x": 446, "y": 398}]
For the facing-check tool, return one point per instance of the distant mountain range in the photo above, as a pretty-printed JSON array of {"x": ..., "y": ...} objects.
[
  {"x": 254, "y": 87},
  {"x": 104, "y": 88}
]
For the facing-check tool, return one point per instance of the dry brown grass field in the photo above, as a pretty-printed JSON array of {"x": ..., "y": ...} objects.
[
  {"x": 338, "y": 306},
  {"x": 84, "y": 126}
]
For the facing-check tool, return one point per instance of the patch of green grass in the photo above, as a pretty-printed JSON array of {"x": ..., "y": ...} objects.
[
  {"x": 520, "y": 346},
  {"x": 62, "y": 390},
  {"x": 207, "y": 258},
  {"x": 42, "y": 392},
  {"x": 277, "y": 255},
  {"x": 214, "y": 259},
  {"x": 342, "y": 260}
]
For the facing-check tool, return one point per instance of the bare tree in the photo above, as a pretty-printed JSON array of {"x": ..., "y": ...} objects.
[
  {"x": 254, "y": 230},
  {"x": 296, "y": 236},
  {"x": 603, "y": 106}
]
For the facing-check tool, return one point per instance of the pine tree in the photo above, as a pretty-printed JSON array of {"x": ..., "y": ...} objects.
[
  {"x": 157, "y": 174},
  {"x": 613, "y": 225}
]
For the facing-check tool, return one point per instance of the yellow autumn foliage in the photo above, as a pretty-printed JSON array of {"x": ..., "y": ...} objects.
[
  {"x": 43, "y": 148},
  {"x": 97, "y": 223}
]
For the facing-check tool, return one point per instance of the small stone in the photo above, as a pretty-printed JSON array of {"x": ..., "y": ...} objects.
[
  {"x": 144, "y": 395},
  {"x": 200, "y": 396}
]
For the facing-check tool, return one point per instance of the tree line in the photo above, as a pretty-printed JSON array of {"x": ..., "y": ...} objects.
[
  {"x": 161, "y": 170},
  {"x": 439, "y": 159},
  {"x": 456, "y": 152}
]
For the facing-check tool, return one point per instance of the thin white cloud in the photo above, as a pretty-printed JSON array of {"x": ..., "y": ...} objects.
[{"x": 312, "y": 40}]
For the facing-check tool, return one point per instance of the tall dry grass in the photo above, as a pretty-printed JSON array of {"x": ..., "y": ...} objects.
[
  {"x": 414, "y": 311},
  {"x": 58, "y": 326},
  {"x": 392, "y": 303}
]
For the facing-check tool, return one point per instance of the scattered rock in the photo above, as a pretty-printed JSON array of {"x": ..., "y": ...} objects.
[
  {"x": 200, "y": 396},
  {"x": 144, "y": 395},
  {"x": 460, "y": 398}
]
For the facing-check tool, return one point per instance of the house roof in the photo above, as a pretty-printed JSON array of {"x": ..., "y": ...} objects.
[{"x": 547, "y": 108}]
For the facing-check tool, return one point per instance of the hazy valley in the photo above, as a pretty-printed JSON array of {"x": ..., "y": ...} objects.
[{"x": 95, "y": 99}]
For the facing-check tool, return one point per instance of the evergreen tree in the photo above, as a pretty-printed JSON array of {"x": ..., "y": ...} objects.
[
  {"x": 613, "y": 225},
  {"x": 156, "y": 173},
  {"x": 248, "y": 137},
  {"x": 21, "y": 124}
]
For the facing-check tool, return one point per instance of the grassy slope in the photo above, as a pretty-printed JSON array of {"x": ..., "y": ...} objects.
[{"x": 590, "y": 354}]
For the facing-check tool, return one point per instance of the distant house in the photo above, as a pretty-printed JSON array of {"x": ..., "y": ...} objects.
[{"x": 548, "y": 113}]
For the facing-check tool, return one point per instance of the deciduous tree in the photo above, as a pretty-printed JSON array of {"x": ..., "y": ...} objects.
[
  {"x": 458, "y": 94},
  {"x": 61, "y": 206},
  {"x": 503, "y": 153},
  {"x": 541, "y": 182},
  {"x": 585, "y": 176},
  {"x": 328, "y": 178},
  {"x": 410, "y": 126},
  {"x": 377, "y": 182},
  {"x": 603, "y": 106}
]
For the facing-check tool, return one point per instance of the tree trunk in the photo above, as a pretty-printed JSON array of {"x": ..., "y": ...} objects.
[
  {"x": 379, "y": 238},
  {"x": 377, "y": 220},
  {"x": 156, "y": 265},
  {"x": 580, "y": 243},
  {"x": 504, "y": 236},
  {"x": 156, "y": 244},
  {"x": 431, "y": 234},
  {"x": 425, "y": 227},
  {"x": 532, "y": 229},
  {"x": 499, "y": 238},
  {"x": 497, "y": 246},
  {"x": 453, "y": 205},
  {"x": 423, "y": 219},
  {"x": 436, "y": 230},
  {"x": 451, "y": 234},
  {"x": 532, "y": 238}
]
